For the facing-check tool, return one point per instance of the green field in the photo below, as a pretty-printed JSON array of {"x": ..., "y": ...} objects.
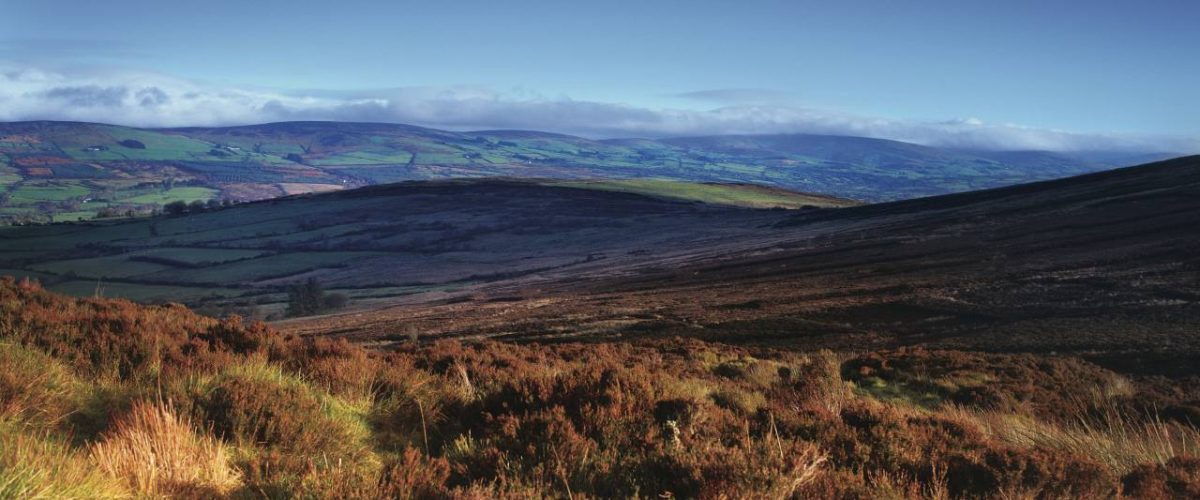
[
  {"x": 74, "y": 216},
  {"x": 185, "y": 194},
  {"x": 116, "y": 266},
  {"x": 272, "y": 266},
  {"x": 719, "y": 194},
  {"x": 201, "y": 256},
  {"x": 28, "y": 193},
  {"x": 142, "y": 292},
  {"x": 364, "y": 158}
]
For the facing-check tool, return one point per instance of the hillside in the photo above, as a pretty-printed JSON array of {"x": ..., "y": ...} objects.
[
  {"x": 1101, "y": 265},
  {"x": 1035, "y": 340},
  {"x": 106, "y": 399},
  {"x": 67, "y": 171},
  {"x": 382, "y": 242}
]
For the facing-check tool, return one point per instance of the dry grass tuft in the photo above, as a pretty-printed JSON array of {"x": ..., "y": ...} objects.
[
  {"x": 35, "y": 465},
  {"x": 159, "y": 453},
  {"x": 34, "y": 387},
  {"x": 1117, "y": 441}
]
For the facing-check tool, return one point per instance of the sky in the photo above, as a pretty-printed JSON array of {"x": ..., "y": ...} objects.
[{"x": 1050, "y": 74}]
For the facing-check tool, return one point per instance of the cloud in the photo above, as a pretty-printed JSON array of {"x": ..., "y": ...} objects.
[
  {"x": 87, "y": 96},
  {"x": 155, "y": 100},
  {"x": 739, "y": 96},
  {"x": 151, "y": 97}
]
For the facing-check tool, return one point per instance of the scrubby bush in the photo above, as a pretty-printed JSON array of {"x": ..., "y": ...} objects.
[
  {"x": 309, "y": 297},
  {"x": 1179, "y": 477}
]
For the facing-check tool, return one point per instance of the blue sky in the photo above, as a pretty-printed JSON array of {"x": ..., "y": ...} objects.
[{"x": 1013, "y": 75}]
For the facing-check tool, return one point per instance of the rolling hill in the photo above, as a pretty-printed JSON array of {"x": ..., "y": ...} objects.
[
  {"x": 517, "y": 338},
  {"x": 387, "y": 241},
  {"x": 65, "y": 171},
  {"x": 1090, "y": 264},
  {"x": 1101, "y": 265}
]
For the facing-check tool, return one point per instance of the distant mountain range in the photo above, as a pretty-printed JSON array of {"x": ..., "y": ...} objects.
[{"x": 70, "y": 171}]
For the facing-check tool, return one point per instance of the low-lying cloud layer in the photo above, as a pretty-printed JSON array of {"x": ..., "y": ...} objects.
[{"x": 155, "y": 100}]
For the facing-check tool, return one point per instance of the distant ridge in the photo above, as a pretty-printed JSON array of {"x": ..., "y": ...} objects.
[{"x": 69, "y": 170}]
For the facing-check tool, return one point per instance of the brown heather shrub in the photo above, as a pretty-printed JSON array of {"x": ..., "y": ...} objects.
[
  {"x": 156, "y": 452},
  {"x": 837, "y": 484},
  {"x": 119, "y": 339},
  {"x": 258, "y": 404},
  {"x": 819, "y": 384},
  {"x": 676, "y": 417},
  {"x": 414, "y": 476},
  {"x": 1039, "y": 472},
  {"x": 1057, "y": 389},
  {"x": 1179, "y": 477},
  {"x": 412, "y": 408},
  {"x": 335, "y": 365}
]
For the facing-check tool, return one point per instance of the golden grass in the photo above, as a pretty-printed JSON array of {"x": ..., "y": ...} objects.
[
  {"x": 156, "y": 452},
  {"x": 1114, "y": 440},
  {"x": 35, "y": 465},
  {"x": 34, "y": 387}
]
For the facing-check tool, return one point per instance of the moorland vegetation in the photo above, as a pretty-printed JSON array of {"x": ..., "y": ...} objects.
[{"x": 107, "y": 398}]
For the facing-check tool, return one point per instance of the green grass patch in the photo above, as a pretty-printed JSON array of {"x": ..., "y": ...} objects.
[
  {"x": 114, "y": 266},
  {"x": 73, "y": 216},
  {"x": 363, "y": 158},
  {"x": 916, "y": 393},
  {"x": 140, "y": 292},
  {"x": 185, "y": 194},
  {"x": 200, "y": 256},
  {"x": 717, "y": 194},
  {"x": 263, "y": 267},
  {"x": 33, "y": 193}
]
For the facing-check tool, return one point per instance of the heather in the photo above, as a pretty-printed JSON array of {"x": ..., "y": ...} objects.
[{"x": 106, "y": 398}]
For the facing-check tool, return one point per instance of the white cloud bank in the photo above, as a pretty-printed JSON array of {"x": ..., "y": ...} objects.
[{"x": 156, "y": 100}]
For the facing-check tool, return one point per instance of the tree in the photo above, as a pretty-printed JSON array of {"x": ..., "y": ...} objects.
[
  {"x": 177, "y": 207},
  {"x": 196, "y": 206},
  {"x": 332, "y": 301},
  {"x": 304, "y": 298},
  {"x": 309, "y": 297}
]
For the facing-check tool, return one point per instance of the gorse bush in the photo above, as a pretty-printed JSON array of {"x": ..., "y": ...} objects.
[{"x": 105, "y": 398}]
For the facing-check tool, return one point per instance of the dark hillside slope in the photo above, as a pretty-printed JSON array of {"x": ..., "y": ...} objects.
[
  {"x": 380, "y": 241},
  {"x": 1103, "y": 264}
]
